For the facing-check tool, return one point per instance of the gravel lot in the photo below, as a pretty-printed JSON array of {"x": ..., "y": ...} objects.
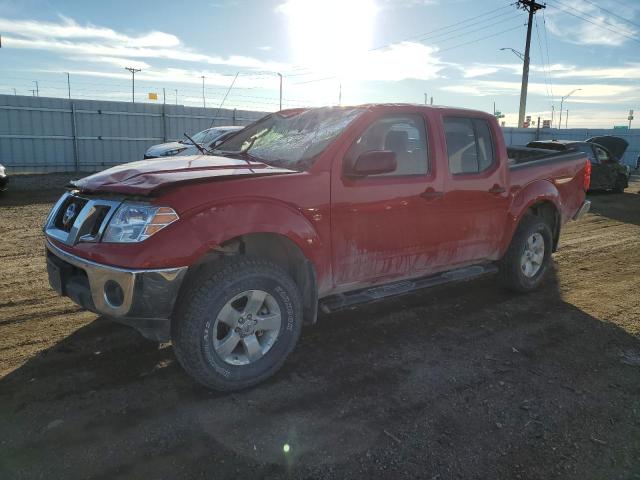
[{"x": 467, "y": 382}]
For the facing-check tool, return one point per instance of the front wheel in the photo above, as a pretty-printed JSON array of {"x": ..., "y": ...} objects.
[
  {"x": 237, "y": 324},
  {"x": 527, "y": 260}
]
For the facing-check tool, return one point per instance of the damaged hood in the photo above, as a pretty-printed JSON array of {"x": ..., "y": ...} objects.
[
  {"x": 143, "y": 177},
  {"x": 616, "y": 145}
]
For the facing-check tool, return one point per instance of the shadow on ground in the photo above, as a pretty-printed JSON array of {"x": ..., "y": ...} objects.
[
  {"x": 466, "y": 382},
  {"x": 623, "y": 207}
]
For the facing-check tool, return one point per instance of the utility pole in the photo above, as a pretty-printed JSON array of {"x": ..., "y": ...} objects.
[
  {"x": 532, "y": 7},
  {"x": 280, "y": 75},
  {"x": 176, "y": 90},
  {"x": 33, "y": 92},
  {"x": 426, "y": 99},
  {"x": 37, "y": 89},
  {"x": 68, "y": 85},
  {"x": 553, "y": 111},
  {"x": 15, "y": 92},
  {"x": 204, "y": 101},
  {"x": 133, "y": 82},
  {"x": 340, "y": 95},
  {"x": 164, "y": 96}
]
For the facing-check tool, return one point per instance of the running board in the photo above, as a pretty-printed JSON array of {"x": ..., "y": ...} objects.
[{"x": 357, "y": 297}]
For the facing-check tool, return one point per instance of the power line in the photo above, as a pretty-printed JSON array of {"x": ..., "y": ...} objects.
[
  {"x": 480, "y": 39},
  {"x": 424, "y": 34},
  {"x": 544, "y": 64},
  {"x": 611, "y": 13},
  {"x": 600, "y": 25},
  {"x": 546, "y": 43},
  {"x": 476, "y": 40},
  {"x": 446, "y": 27}
]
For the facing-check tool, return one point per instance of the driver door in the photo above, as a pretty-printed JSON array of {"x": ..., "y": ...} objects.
[{"x": 385, "y": 227}]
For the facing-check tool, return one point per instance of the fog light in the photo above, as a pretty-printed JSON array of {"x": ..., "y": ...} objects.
[{"x": 113, "y": 294}]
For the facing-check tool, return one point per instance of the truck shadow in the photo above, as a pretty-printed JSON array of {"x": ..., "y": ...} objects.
[{"x": 468, "y": 380}]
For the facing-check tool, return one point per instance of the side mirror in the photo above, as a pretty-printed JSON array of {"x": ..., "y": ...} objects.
[{"x": 374, "y": 163}]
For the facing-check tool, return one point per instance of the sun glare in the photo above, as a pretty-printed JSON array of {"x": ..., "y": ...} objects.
[{"x": 328, "y": 35}]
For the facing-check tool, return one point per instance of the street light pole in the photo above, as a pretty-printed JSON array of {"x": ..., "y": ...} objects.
[
  {"x": 280, "y": 75},
  {"x": 204, "y": 101},
  {"x": 68, "y": 85},
  {"x": 562, "y": 101},
  {"x": 133, "y": 82}
]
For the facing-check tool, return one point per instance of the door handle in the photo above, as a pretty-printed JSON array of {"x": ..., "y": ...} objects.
[
  {"x": 431, "y": 194},
  {"x": 497, "y": 189}
]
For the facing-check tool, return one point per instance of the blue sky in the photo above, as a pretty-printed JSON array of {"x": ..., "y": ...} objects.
[{"x": 376, "y": 50}]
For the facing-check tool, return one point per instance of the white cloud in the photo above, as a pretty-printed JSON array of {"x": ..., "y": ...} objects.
[
  {"x": 599, "y": 28},
  {"x": 478, "y": 71},
  {"x": 393, "y": 4},
  {"x": 588, "y": 93},
  {"x": 400, "y": 61},
  {"x": 69, "y": 38}
]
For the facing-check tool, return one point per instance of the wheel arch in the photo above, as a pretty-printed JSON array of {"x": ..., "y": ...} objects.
[
  {"x": 540, "y": 199},
  {"x": 276, "y": 248}
]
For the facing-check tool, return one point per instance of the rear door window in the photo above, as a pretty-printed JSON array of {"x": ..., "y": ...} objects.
[{"x": 469, "y": 145}]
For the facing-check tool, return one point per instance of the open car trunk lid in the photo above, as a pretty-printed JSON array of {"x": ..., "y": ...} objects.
[
  {"x": 143, "y": 177},
  {"x": 616, "y": 145}
]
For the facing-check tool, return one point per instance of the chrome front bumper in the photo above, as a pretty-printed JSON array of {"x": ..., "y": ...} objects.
[
  {"x": 583, "y": 210},
  {"x": 143, "y": 299}
]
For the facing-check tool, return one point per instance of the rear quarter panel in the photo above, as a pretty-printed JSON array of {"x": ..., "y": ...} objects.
[{"x": 560, "y": 183}]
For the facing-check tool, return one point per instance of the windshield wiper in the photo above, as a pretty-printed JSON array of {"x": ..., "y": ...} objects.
[{"x": 198, "y": 146}]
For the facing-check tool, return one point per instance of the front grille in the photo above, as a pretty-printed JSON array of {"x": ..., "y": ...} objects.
[
  {"x": 79, "y": 219},
  {"x": 68, "y": 212}
]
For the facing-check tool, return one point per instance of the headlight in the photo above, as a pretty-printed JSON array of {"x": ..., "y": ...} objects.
[
  {"x": 2, "y": 171},
  {"x": 137, "y": 222},
  {"x": 171, "y": 153}
]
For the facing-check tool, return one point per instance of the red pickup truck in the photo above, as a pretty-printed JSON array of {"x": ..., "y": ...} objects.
[{"x": 228, "y": 255}]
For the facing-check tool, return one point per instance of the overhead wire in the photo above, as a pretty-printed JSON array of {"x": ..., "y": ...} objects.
[{"x": 593, "y": 21}]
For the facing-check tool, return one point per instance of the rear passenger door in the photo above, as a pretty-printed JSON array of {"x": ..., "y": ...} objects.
[{"x": 476, "y": 197}]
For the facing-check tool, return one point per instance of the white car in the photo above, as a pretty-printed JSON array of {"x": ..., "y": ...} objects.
[{"x": 205, "y": 138}]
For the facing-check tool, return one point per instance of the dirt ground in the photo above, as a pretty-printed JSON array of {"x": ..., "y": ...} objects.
[{"x": 468, "y": 381}]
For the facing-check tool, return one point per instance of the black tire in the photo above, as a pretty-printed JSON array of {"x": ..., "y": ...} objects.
[
  {"x": 192, "y": 326},
  {"x": 511, "y": 274},
  {"x": 622, "y": 182}
]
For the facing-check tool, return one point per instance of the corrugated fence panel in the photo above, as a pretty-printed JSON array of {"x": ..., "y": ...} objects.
[
  {"x": 522, "y": 136},
  {"x": 37, "y": 133}
]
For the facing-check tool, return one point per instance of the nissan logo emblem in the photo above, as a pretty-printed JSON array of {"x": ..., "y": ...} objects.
[{"x": 69, "y": 215}]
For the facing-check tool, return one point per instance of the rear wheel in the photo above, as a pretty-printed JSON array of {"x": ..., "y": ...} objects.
[
  {"x": 527, "y": 260},
  {"x": 237, "y": 324}
]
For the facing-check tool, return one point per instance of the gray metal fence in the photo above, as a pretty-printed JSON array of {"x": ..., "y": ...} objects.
[
  {"x": 522, "y": 136},
  {"x": 39, "y": 134}
]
